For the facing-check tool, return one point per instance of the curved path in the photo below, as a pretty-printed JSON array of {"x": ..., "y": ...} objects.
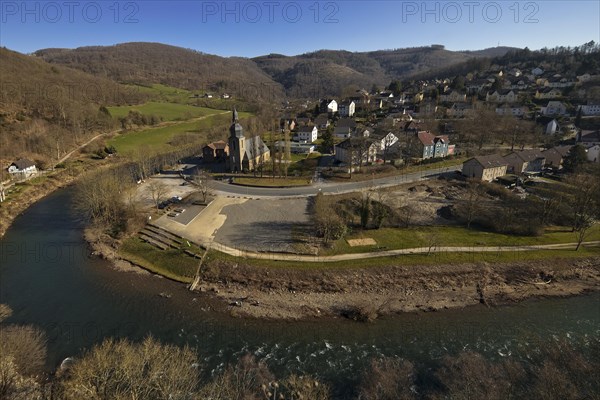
[{"x": 391, "y": 253}]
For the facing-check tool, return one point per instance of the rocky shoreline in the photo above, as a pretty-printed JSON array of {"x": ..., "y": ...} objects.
[
  {"x": 365, "y": 294},
  {"x": 369, "y": 293}
]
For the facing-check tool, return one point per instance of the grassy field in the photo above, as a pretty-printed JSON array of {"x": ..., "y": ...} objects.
[
  {"x": 173, "y": 264},
  {"x": 416, "y": 259},
  {"x": 163, "y": 92},
  {"x": 270, "y": 182},
  {"x": 157, "y": 139},
  {"x": 166, "y": 111},
  {"x": 446, "y": 236}
]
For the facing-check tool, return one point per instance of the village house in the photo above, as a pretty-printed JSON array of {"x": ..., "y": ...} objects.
[
  {"x": 554, "y": 108},
  {"x": 501, "y": 96},
  {"x": 328, "y": 106},
  {"x": 428, "y": 108},
  {"x": 347, "y": 108},
  {"x": 245, "y": 154},
  {"x": 453, "y": 96},
  {"x": 22, "y": 169},
  {"x": 593, "y": 152},
  {"x": 433, "y": 146},
  {"x": 307, "y": 134},
  {"x": 548, "y": 93},
  {"x": 300, "y": 121},
  {"x": 554, "y": 156},
  {"x": 477, "y": 85},
  {"x": 356, "y": 151},
  {"x": 322, "y": 121},
  {"x": 460, "y": 110},
  {"x": 485, "y": 168},
  {"x": 588, "y": 137},
  {"x": 590, "y": 109},
  {"x": 559, "y": 82},
  {"x": 552, "y": 127},
  {"x": 525, "y": 161},
  {"x": 215, "y": 152},
  {"x": 342, "y": 132}
]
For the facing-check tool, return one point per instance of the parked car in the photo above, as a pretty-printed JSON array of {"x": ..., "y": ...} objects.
[
  {"x": 179, "y": 210},
  {"x": 173, "y": 214}
]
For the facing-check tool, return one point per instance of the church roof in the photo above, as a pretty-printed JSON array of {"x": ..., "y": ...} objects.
[{"x": 255, "y": 144}]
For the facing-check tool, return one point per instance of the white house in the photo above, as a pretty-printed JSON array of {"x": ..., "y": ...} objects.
[
  {"x": 329, "y": 106},
  {"x": 347, "y": 108},
  {"x": 501, "y": 96},
  {"x": 552, "y": 127},
  {"x": 354, "y": 151},
  {"x": 307, "y": 134},
  {"x": 342, "y": 132},
  {"x": 22, "y": 169},
  {"x": 385, "y": 141},
  {"x": 593, "y": 152},
  {"x": 590, "y": 109},
  {"x": 554, "y": 108}
]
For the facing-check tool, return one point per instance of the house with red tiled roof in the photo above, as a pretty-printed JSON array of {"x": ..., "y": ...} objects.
[
  {"x": 433, "y": 146},
  {"x": 216, "y": 151}
]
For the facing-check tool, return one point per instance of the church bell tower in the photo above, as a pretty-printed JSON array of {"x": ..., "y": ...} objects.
[{"x": 237, "y": 144}]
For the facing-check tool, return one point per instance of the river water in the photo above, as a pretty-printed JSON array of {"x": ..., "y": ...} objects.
[{"x": 49, "y": 280}]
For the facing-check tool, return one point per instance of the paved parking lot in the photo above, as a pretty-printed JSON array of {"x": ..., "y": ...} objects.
[{"x": 265, "y": 225}]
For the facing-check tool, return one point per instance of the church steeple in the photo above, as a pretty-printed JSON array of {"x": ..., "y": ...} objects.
[
  {"x": 234, "y": 117},
  {"x": 237, "y": 144},
  {"x": 236, "y": 129}
]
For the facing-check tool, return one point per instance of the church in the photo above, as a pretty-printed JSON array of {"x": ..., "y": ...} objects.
[{"x": 245, "y": 154}]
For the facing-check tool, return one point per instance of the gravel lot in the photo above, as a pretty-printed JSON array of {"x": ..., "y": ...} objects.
[{"x": 280, "y": 225}]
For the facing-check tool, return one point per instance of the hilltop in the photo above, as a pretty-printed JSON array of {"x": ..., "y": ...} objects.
[
  {"x": 320, "y": 73},
  {"x": 45, "y": 109}
]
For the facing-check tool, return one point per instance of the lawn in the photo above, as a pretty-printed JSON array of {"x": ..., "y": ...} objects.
[
  {"x": 166, "y": 111},
  {"x": 270, "y": 182},
  {"x": 157, "y": 139},
  {"x": 416, "y": 259},
  {"x": 173, "y": 263},
  {"x": 449, "y": 236}
]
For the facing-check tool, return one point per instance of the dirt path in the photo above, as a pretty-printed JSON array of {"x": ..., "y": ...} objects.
[{"x": 391, "y": 253}]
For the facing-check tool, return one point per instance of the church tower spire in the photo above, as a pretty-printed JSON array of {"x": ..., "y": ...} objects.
[{"x": 237, "y": 143}]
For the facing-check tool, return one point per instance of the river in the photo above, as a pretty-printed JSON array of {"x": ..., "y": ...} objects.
[{"x": 49, "y": 279}]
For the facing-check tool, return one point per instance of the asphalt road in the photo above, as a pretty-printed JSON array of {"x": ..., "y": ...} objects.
[{"x": 329, "y": 188}]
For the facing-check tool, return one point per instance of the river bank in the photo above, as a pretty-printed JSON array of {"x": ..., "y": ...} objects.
[
  {"x": 250, "y": 290},
  {"x": 369, "y": 293},
  {"x": 30, "y": 193}
]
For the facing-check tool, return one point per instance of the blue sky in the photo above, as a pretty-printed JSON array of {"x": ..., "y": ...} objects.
[{"x": 252, "y": 28}]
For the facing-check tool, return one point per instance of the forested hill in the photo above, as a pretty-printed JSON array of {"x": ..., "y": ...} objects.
[
  {"x": 44, "y": 106},
  {"x": 310, "y": 75},
  {"x": 149, "y": 63}
]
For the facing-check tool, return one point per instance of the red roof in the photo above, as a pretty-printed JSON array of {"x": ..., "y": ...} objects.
[{"x": 428, "y": 138}]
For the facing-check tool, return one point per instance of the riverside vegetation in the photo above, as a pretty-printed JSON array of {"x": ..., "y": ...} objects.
[{"x": 120, "y": 369}]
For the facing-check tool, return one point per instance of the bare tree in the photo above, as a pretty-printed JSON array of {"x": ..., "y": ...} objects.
[
  {"x": 202, "y": 179},
  {"x": 26, "y": 345},
  {"x": 120, "y": 370},
  {"x": 584, "y": 204},
  {"x": 388, "y": 379},
  {"x": 158, "y": 191},
  {"x": 471, "y": 201}
]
